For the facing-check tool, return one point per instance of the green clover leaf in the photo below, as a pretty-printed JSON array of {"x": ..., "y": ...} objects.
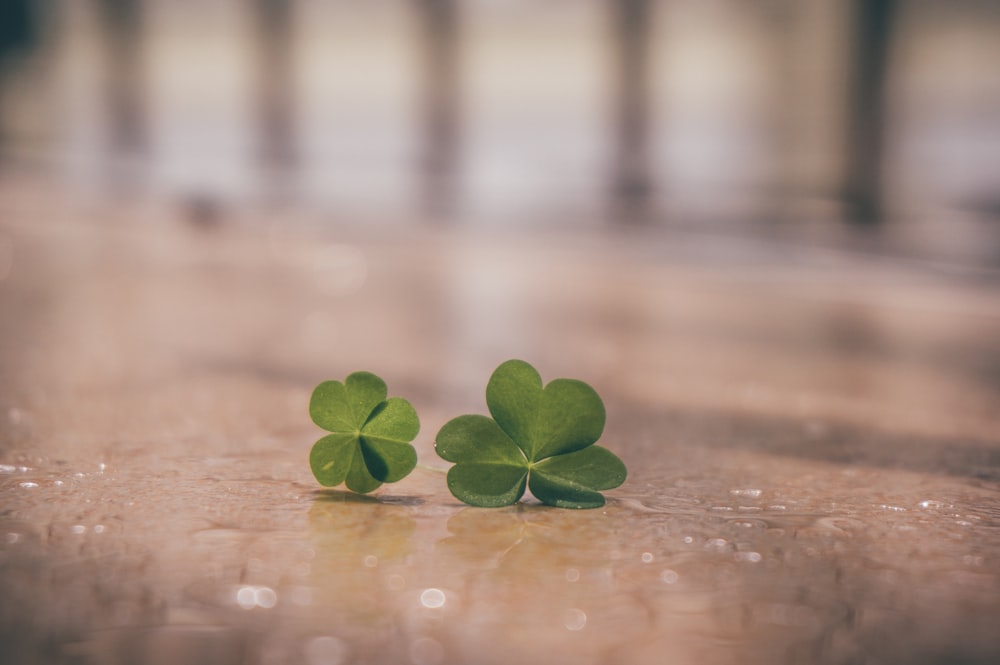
[
  {"x": 539, "y": 437},
  {"x": 370, "y": 440}
]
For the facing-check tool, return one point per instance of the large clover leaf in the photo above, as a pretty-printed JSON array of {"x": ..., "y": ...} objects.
[
  {"x": 370, "y": 440},
  {"x": 540, "y": 438}
]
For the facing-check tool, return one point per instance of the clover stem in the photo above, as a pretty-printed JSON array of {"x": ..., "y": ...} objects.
[{"x": 435, "y": 469}]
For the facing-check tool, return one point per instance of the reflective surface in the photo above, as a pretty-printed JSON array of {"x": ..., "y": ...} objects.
[{"x": 811, "y": 437}]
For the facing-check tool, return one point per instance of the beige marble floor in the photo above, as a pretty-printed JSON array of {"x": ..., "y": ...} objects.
[{"x": 811, "y": 434}]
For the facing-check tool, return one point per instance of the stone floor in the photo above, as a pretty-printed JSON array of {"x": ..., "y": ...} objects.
[{"x": 812, "y": 438}]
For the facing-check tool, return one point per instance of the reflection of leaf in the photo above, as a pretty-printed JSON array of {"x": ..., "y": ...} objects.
[
  {"x": 370, "y": 443},
  {"x": 361, "y": 545},
  {"x": 539, "y": 437},
  {"x": 524, "y": 539},
  {"x": 481, "y": 535},
  {"x": 349, "y": 527}
]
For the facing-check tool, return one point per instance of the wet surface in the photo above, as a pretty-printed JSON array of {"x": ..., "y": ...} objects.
[{"x": 812, "y": 440}]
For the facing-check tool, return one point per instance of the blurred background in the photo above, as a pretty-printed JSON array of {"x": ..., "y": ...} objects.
[
  {"x": 816, "y": 119},
  {"x": 766, "y": 231}
]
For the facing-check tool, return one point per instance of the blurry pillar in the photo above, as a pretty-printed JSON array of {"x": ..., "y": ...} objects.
[
  {"x": 122, "y": 23},
  {"x": 274, "y": 42},
  {"x": 866, "y": 126},
  {"x": 17, "y": 36},
  {"x": 631, "y": 177},
  {"x": 439, "y": 32}
]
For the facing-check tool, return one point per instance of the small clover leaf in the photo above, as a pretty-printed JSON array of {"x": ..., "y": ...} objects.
[
  {"x": 370, "y": 440},
  {"x": 539, "y": 437}
]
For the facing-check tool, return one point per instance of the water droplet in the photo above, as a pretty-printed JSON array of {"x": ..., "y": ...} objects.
[
  {"x": 326, "y": 650},
  {"x": 432, "y": 598},
  {"x": 572, "y": 575},
  {"x": 99, "y": 528},
  {"x": 78, "y": 529},
  {"x": 58, "y": 483},
  {"x": 245, "y": 598},
  {"x": 249, "y": 597},
  {"x": 752, "y": 557},
  {"x": 101, "y": 467},
  {"x": 575, "y": 619},
  {"x": 717, "y": 544},
  {"x": 426, "y": 651},
  {"x": 752, "y": 493},
  {"x": 7, "y": 468},
  {"x": 669, "y": 576},
  {"x": 265, "y": 597},
  {"x": 647, "y": 557},
  {"x": 13, "y": 538},
  {"x": 29, "y": 485},
  {"x": 688, "y": 540},
  {"x": 930, "y": 503},
  {"x": 371, "y": 561}
]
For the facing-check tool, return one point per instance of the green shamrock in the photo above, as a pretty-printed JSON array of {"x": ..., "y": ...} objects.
[
  {"x": 539, "y": 437},
  {"x": 370, "y": 444}
]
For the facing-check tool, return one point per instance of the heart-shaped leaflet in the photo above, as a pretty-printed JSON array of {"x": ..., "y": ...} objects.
[
  {"x": 370, "y": 440},
  {"x": 539, "y": 437}
]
